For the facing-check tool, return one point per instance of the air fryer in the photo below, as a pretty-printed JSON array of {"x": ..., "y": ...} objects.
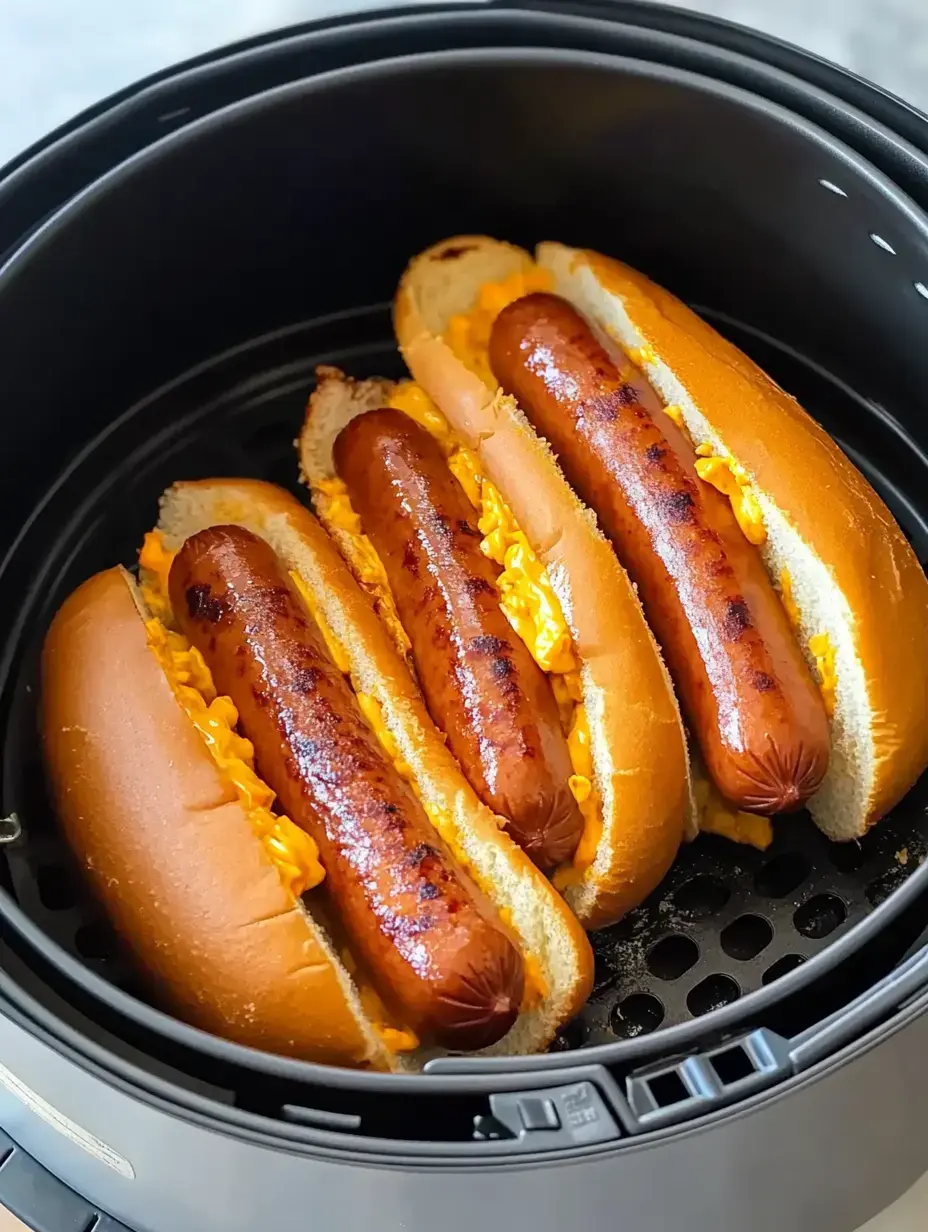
[{"x": 177, "y": 264}]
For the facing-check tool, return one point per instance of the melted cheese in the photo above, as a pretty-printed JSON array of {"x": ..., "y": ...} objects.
[
  {"x": 393, "y": 1037},
  {"x": 675, "y": 414},
  {"x": 289, "y": 848},
  {"x": 718, "y": 816},
  {"x": 823, "y": 652},
  {"x": 339, "y": 518},
  {"x": 581, "y": 786},
  {"x": 820, "y": 645},
  {"x": 786, "y": 598},
  {"x": 468, "y": 334},
  {"x": 333, "y": 645},
  {"x": 527, "y": 598},
  {"x": 732, "y": 481},
  {"x": 155, "y": 560},
  {"x": 373, "y": 713},
  {"x": 642, "y": 355}
]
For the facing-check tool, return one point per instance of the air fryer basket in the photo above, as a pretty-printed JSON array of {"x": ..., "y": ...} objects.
[{"x": 726, "y": 922}]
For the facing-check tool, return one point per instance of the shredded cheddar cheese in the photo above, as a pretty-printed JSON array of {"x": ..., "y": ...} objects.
[
  {"x": 642, "y": 355},
  {"x": 468, "y": 334},
  {"x": 156, "y": 560},
  {"x": 732, "y": 481},
  {"x": 583, "y": 791},
  {"x": 527, "y": 598},
  {"x": 290, "y": 849},
  {"x": 823, "y": 652},
  {"x": 675, "y": 414},
  {"x": 786, "y": 598},
  {"x": 393, "y": 1037},
  {"x": 717, "y": 816},
  {"x": 820, "y": 646},
  {"x": 335, "y": 511}
]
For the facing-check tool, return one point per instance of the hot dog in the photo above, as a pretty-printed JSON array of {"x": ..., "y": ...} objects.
[
  {"x": 563, "y": 599},
  {"x": 849, "y": 582},
  {"x": 248, "y": 775},
  {"x": 481, "y": 685},
  {"x": 758, "y": 716},
  {"x": 437, "y": 956}
]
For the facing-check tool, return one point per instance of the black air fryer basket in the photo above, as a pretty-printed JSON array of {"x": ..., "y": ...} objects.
[{"x": 178, "y": 261}]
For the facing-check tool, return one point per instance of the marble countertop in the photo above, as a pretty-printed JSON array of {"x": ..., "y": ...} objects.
[{"x": 60, "y": 56}]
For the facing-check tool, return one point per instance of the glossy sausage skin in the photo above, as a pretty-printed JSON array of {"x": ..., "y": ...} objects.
[
  {"x": 481, "y": 684},
  {"x": 427, "y": 937},
  {"x": 742, "y": 680}
]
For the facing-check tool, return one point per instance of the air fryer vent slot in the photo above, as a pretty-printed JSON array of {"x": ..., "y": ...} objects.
[
  {"x": 668, "y": 1089},
  {"x": 727, "y": 921},
  {"x": 732, "y": 1065}
]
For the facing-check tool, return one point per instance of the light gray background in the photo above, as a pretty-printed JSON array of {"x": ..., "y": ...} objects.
[{"x": 59, "y": 56}]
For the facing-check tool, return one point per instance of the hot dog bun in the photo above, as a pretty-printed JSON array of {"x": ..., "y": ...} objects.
[
  {"x": 170, "y": 851},
  {"x": 556, "y": 952},
  {"x": 639, "y": 749},
  {"x": 854, "y": 578}
]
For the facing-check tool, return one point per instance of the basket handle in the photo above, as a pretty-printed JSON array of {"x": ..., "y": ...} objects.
[{"x": 43, "y": 1203}]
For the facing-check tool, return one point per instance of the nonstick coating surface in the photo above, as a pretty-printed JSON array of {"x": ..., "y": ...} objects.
[{"x": 727, "y": 920}]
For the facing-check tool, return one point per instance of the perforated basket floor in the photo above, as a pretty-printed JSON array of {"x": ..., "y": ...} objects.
[{"x": 727, "y": 920}]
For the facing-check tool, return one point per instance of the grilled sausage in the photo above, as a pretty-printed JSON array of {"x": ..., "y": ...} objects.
[
  {"x": 425, "y": 934},
  {"x": 743, "y": 682},
  {"x": 481, "y": 684}
]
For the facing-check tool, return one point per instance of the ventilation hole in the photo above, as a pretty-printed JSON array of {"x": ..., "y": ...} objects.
[
  {"x": 711, "y": 994},
  {"x": 782, "y": 875},
  {"x": 701, "y": 897},
  {"x": 92, "y": 942},
  {"x": 745, "y": 937},
  {"x": 570, "y": 1037},
  {"x": 783, "y": 966},
  {"x": 639, "y": 1014},
  {"x": 881, "y": 243},
  {"x": 6, "y": 1153},
  {"x": 833, "y": 188},
  {"x": 820, "y": 916},
  {"x": 668, "y": 1089},
  {"x": 732, "y": 1065},
  {"x": 880, "y": 889},
  {"x": 672, "y": 957},
  {"x": 847, "y": 857},
  {"x": 922, "y": 290},
  {"x": 56, "y": 888}
]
